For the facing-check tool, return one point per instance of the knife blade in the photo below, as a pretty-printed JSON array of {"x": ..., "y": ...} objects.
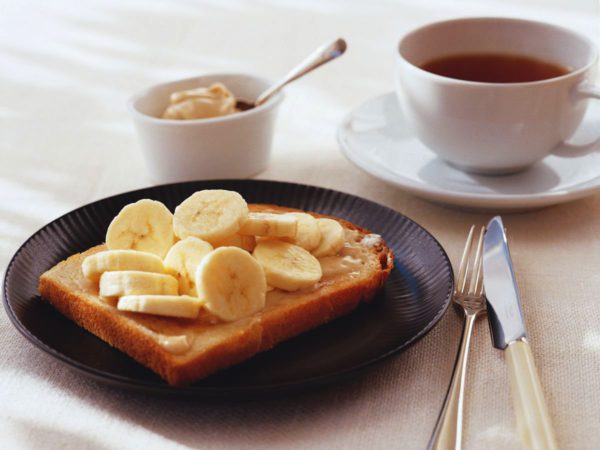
[
  {"x": 508, "y": 333},
  {"x": 504, "y": 303}
]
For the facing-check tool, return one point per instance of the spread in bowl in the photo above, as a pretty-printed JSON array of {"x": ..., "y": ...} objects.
[{"x": 201, "y": 103}]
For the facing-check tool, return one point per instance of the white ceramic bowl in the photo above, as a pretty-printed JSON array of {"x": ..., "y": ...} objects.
[{"x": 233, "y": 146}]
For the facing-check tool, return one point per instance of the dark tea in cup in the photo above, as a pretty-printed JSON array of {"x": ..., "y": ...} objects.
[{"x": 494, "y": 68}]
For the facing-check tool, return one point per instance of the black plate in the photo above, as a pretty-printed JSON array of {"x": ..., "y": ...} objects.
[{"x": 414, "y": 298}]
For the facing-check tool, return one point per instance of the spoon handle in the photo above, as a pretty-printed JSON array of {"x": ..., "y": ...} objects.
[{"x": 320, "y": 56}]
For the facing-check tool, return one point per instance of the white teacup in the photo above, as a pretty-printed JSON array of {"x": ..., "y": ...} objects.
[{"x": 494, "y": 128}]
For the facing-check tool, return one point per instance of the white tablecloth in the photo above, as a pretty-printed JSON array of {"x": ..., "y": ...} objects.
[{"x": 66, "y": 70}]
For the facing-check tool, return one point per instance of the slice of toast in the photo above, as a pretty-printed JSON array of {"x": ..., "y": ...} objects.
[{"x": 182, "y": 351}]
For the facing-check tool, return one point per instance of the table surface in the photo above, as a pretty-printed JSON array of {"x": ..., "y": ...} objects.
[{"x": 67, "y": 69}]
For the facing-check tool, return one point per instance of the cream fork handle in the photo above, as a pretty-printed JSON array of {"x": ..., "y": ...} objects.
[
  {"x": 533, "y": 420},
  {"x": 447, "y": 434}
]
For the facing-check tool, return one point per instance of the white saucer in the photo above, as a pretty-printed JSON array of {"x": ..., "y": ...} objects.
[{"x": 376, "y": 137}]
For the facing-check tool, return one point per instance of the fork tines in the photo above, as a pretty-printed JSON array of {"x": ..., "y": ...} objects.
[{"x": 470, "y": 280}]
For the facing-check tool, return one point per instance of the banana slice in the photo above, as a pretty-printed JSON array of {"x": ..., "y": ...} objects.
[
  {"x": 110, "y": 260},
  {"x": 183, "y": 260},
  {"x": 332, "y": 238},
  {"x": 132, "y": 282},
  {"x": 145, "y": 225},
  {"x": 287, "y": 266},
  {"x": 182, "y": 306},
  {"x": 232, "y": 283},
  {"x": 308, "y": 234},
  {"x": 210, "y": 215},
  {"x": 237, "y": 240},
  {"x": 269, "y": 224}
]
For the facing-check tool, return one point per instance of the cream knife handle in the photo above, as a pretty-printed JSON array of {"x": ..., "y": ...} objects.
[{"x": 533, "y": 420}]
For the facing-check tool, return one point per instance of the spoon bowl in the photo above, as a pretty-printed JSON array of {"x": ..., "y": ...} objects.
[{"x": 243, "y": 105}]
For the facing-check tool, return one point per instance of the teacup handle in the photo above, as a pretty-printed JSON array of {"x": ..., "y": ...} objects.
[{"x": 582, "y": 91}]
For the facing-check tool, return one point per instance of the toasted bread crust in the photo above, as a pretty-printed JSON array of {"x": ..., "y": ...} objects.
[{"x": 263, "y": 333}]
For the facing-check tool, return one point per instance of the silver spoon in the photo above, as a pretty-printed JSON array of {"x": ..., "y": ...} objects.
[{"x": 320, "y": 56}]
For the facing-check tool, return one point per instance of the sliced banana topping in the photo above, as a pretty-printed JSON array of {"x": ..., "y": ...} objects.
[
  {"x": 145, "y": 225},
  {"x": 210, "y": 215},
  {"x": 232, "y": 283},
  {"x": 183, "y": 306},
  {"x": 332, "y": 238},
  {"x": 131, "y": 282},
  {"x": 269, "y": 224},
  {"x": 110, "y": 260},
  {"x": 287, "y": 266},
  {"x": 211, "y": 265},
  {"x": 308, "y": 234},
  {"x": 183, "y": 260}
]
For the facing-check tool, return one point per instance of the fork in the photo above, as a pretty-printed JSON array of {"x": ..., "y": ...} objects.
[{"x": 468, "y": 294}]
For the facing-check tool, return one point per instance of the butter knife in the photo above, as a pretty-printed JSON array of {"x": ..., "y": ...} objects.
[{"x": 508, "y": 333}]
